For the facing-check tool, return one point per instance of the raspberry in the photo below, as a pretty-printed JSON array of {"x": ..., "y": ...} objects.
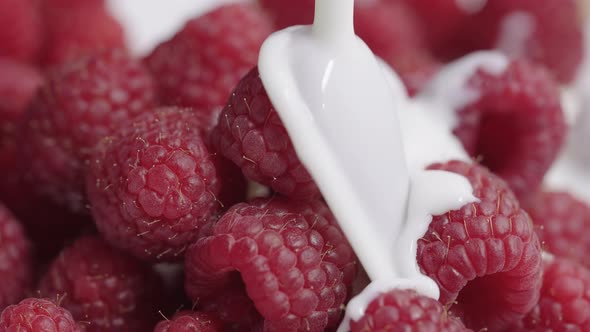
[
  {"x": 516, "y": 126},
  {"x": 394, "y": 33},
  {"x": 164, "y": 189},
  {"x": 190, "y": 321},
  {"x": 251, "y": 134},
  {"x": 286, "y": 13},
  {"x": 548, "y": 32},
  {"x": 104, "y": 287},
  {"x": 561, "y": 222},
  {"x": 18, "y": 84},
  {"x": 15, "y": 259},
  {"x": 565, "y": 300},
  {"x": 81, "y": 103},
  {"x": 20, "y": 30},
  {"x": 406, "y": 310},
  {"x": 203, "y": 62},
  {"x": 293, "y": 260},
  {"x": 75, "y": 29},
  {"x": 234, "y": 308},
  {"x": 35, "y": 315},
  {"x": 485, "y": 256},
  {"x": 441, "y": 19}
]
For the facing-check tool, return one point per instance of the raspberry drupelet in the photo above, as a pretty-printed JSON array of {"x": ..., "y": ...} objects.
[
  {"x": 15, "y": 259},
  {"x": 80, "y": 103},
  {"x": 106, "y": 288},
  {"x": 516, "y": 126},
  {"x": 406, "y": 310},
  {"x": 485, "y": 257},
  {"x": 35, "y": 315},
  {"x": 294, "y": 262},
  {"x": 155, "y": 185},
  {"x": 203, "y": 62}
]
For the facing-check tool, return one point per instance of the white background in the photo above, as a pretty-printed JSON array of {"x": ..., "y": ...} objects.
[{"x": 148, "y": 22}]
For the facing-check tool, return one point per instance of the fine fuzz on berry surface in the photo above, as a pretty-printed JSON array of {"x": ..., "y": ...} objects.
[
  {"x": 104, "y": 287},
  {"x": 250, "y": 133},
  {"x": 74, "y": 29},
  {"x": 35, "y": 315},
  {"x": 565, "y": 300},
  {"x": 164, "y": 188},
  {"x": 20, "y": 30},
  {"x": 516, "y": 126},
  {"x": 485, "y": 256},
  {"x": 192, "y": 321},
  {"x": 15, "y": 259},
  {"x": 561, "y": 222},
  {"x": 203, "y": 62},
  {"x": 293, "y": 260},
  {"x": 81, "y": 103},
  {"x": 406, "y": 310}
]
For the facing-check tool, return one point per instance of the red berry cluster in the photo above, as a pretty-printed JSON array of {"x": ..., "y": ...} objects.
[{"x": 124, "y": 201}]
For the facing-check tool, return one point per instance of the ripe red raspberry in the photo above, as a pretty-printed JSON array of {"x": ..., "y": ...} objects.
[
  {"x": 516, "y": 126},
  {"x": 164, "y": 188},
  {"x": 233, "y": 307},
  {"x": 75, "y": 29},
  {"x": 203, "y": 62},
  {"x": 81, "y": 103},
  {"x": 441, "y": 19},
  {"x": 286, "y": 13},
  {"x": 485, "y": 257},
  {"x": 15, "y": 259},
  {"x": 561, "y": 222},
  {"x": 250, "y": 133},
  {"x": 407, "y": 311},
  {"x": 20, "y": 30},
  {"x": 394, "y": 33},
  {"x": 565, "y": 300},
  {"x": 293, "y": 260},
  {"x": 104, "y": 287},
  {"x": 18, "y": 84},
  {"x": 192, "y": 321},
  {"x": 548, "y": 32},
  {"x": 35, "y": 315}
]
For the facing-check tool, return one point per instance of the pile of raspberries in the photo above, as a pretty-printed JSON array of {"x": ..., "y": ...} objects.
[{"x": 162, "y": 193}]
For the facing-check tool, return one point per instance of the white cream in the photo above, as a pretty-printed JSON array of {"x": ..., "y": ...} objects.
[
  {"x": 516, "y": 30},
  {"x": 449, "y": 90},
  {"x": 342, "y": 111},
  {"x": 334, "y": 100}
]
